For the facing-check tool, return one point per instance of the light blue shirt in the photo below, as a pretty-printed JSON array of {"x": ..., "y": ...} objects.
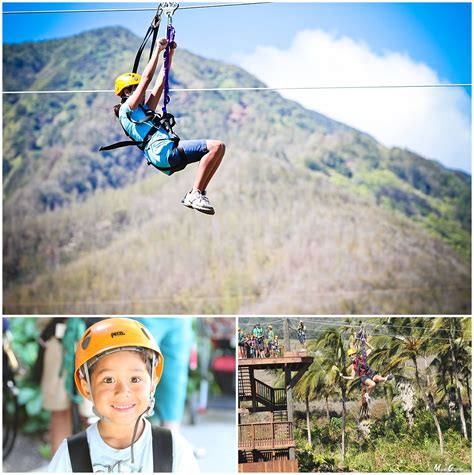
[{"x": 160, "y": 145}]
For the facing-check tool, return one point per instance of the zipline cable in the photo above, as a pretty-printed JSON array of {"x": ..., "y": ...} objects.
[
  {"x": 111, "y": 10},
  {"x": 345, "y": 326},
  {"x": 375, "y": 332},
  {"x": 243, "y": 89}
]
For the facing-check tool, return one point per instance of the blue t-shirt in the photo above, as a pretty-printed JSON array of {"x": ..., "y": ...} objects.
[{"x": 160, "y": 145}]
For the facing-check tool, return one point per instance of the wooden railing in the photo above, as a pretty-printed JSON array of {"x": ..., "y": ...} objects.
[
  {"x": 266, "y": 435},
  {"x": 268, "y": 395}
]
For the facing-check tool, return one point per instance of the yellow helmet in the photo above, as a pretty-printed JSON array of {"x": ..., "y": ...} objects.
[
  {"x": 111, "y": 334},
  {"x": 351, "y": 351},
  {"x": 126, "y": 80}
]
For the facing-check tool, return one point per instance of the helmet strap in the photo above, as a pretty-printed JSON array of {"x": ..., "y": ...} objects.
[
  {"x": 88, "y": 380},
  {"x": 150, "y": 410}
]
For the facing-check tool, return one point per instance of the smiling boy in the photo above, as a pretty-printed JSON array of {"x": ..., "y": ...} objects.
[{"x": 118, "y": 365}]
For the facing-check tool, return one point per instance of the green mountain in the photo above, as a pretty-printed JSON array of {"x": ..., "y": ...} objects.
[{"x": 312, "y": 216}]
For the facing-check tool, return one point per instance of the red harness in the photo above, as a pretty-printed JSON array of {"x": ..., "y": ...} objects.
[{"x": 361, "y": 367}]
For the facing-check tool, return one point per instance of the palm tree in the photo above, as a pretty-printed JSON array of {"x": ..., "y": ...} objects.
[
  {"x": 411, "y": 342},
  {"x": 311, "y": 386},
  {"x": 454, "y": 353},
  {"x": 331, "y": 346}
]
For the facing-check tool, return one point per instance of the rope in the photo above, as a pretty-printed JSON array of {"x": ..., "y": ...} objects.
[
  {"x": 109, "y": 10},
  {"x": 241, "y": 89}
]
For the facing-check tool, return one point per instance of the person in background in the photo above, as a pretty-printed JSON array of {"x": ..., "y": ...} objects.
[
  {"x": 56, "y": 382},
  {"x": 241, "y": 343},
  {"x": 175, "y": 337}
]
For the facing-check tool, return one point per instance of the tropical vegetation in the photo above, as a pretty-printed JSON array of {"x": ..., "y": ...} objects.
[{"x": 419, "y": 421}]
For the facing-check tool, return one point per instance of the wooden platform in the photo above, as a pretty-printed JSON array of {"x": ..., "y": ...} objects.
[
  {"x": 293, "y": 361},
  {"x": 273, "y": 467}
]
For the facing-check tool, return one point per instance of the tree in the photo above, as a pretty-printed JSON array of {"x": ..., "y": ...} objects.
[
  {"x": 317, "y": 383},
  {"x": 412, "y": 341},
  {"x": 332, "y": 348},
  {"x": 454, "y": 355}
]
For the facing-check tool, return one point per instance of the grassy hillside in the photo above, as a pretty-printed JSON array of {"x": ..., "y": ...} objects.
[{"x": 312, "y": 216}]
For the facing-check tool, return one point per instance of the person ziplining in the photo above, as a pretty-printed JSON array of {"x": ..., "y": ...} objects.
[
  {"x": 301, "y": 332},
  {"x": 361, "y": 369},
  {"x": 152, "y": 132}
]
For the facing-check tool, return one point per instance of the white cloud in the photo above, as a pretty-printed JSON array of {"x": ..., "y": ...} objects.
[{"x": 434, "y": 122}]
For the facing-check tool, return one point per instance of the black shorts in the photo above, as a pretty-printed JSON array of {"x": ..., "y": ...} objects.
[{"x": 367, "y": 376}]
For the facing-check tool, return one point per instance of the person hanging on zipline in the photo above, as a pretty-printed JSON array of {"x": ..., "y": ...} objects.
[
  {"x": 301, "y": 331},
  {"x": 361, "y": 369},
  {"x": 162, "y": 148}
]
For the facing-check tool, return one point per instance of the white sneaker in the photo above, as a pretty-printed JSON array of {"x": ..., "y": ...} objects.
[{"x": 198, "y": 201}]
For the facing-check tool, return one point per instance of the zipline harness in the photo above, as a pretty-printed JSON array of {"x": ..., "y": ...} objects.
[
  {"x": 152, "y": 30},
  {"x": 361, "y": 367},
  {"x": 166, "y": 120}
]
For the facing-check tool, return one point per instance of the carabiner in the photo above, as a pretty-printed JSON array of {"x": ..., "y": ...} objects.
[
  {"x": 155, "y": 23},
  {"x": 168, "y": 9}
]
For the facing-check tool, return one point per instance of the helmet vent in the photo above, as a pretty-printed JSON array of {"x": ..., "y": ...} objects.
[
  {"x": 86, "y": 340},
  {"x": 145, "y": 333}
]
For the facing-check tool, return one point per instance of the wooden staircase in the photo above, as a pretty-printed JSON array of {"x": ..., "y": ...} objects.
[
  {"x": 245, "y": 384},
  {"x": 264, "y": 396},
  {"x": 268, "y": 398}
]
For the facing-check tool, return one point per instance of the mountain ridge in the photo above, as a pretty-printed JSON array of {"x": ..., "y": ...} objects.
[{"x": 54, "y": 169}]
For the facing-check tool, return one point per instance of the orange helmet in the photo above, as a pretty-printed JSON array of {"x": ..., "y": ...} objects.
[{"x": 112, "y": 334}]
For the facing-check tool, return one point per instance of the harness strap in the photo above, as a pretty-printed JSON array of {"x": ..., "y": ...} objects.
[
  {"x": 162, "y": 449},
  {"x": 167, "y": 121},
  {"x": 170, "y": 34},
  {"x": 79, "y": 453},
  {"x": 124, "y": 143},
  {"x": 162, "y": 442},
  {"x": 152, "y": 30}
]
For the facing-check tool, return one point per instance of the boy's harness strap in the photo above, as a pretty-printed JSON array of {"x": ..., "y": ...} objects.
[
  {"x": 79, "y": 453},
  {"x": 162, "y": 449},
  {"x": 162, "y": 442}
]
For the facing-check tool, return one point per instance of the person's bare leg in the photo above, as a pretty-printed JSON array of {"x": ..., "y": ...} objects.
[
  {"x": 60, "y": 428},
  {"x": 220, "y": 155},
  {"x": 208, "y": 164},
  {"x": 370, "y": 385}
]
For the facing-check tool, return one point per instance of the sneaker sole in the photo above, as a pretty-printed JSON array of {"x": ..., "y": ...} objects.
[{"x": 204, "y": 210}]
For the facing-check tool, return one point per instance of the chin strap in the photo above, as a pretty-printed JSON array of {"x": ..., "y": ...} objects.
[
  {"x": 88, "y": 380},
  {"x": 149, "y": 411}
]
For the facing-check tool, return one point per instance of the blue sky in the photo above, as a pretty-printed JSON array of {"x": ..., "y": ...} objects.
[
  {"x": 433, "y": 39},
  {"x": 439, "y": 34}
]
